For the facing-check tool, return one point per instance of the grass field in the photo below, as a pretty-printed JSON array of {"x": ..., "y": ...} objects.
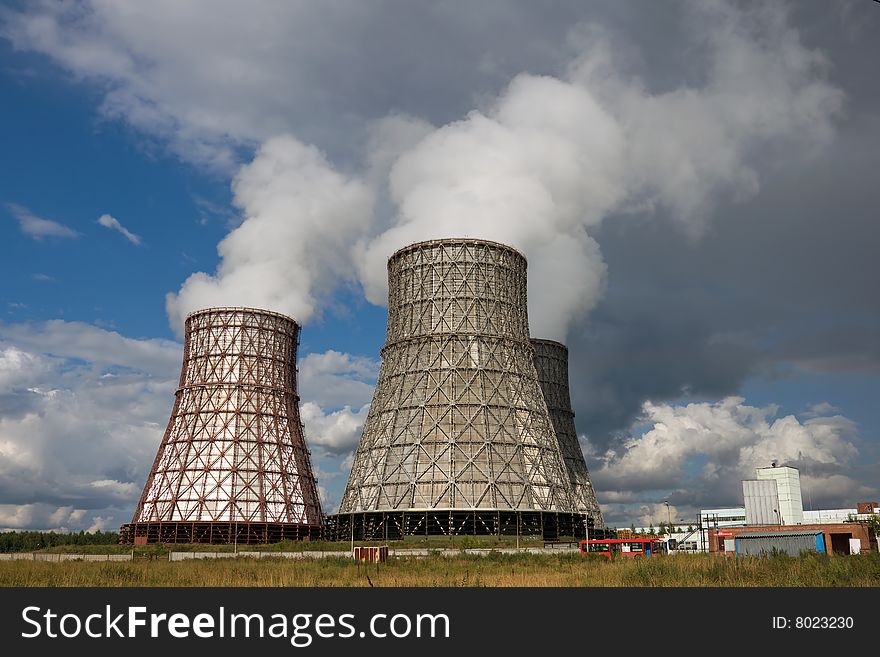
[{"x": 512, "y": 570}]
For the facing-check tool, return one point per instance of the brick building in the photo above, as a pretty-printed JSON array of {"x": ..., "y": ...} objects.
[{"x": 837, "y": 536}]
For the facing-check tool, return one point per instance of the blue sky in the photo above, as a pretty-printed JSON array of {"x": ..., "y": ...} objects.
[{"x": 707, "y": 199}]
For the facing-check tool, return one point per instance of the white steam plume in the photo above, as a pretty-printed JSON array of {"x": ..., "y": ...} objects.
[
  {"x": 528, "y": 174},
  {"x": 301, "y": 218}
]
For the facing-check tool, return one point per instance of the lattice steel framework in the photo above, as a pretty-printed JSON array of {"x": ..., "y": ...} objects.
[
  {"x": 457, "y": 421},
  {"x": 233, "y": 464},
  {"x": 551, "y": 363}
]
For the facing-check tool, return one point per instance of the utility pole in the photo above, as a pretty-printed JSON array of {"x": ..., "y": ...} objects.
[
  {"x": 587, "y": 532},
  {"x": 517, "y": 531}
]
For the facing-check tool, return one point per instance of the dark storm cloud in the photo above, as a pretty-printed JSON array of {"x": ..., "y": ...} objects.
[
  {"x": 216, "y": 75},
  {"x": 784, "y": 282},
  {"x": 625, "y": 358},
  {"x": 778, "y": 287}
]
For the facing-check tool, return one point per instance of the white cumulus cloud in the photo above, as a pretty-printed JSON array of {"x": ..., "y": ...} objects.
[
  {"x": 336, "y": 389},
  {"x": 37, "y": 227},
  {"x": 291, "y": 250},
  {"x": 702, "y": 451},
  {"x": 111, "y": 222},
  {"x": 82, "y": 411},
  {"x": 337, "y": 431},
  {"x": 41, "y": 517},
  {"x": 334, "y": 379}
]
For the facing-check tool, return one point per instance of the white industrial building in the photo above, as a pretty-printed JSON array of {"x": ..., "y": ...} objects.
[
  {"x": 788, "y": 491},
  {"x": 828, "y": 516},
  {"x": 734, "y": 516},
  {"x": 688, "y": 538}
]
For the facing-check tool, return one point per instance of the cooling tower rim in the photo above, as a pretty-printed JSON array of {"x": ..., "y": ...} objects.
[
  {"x": 240, "y": 309},
  {"x": 548, "y": 341},
  {"x": 415, "y": 246}
]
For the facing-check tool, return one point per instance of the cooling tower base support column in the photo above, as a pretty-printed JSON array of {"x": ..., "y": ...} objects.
[
  {"x": 244, "y": 533},
  {"x": 396, "y": 525}
]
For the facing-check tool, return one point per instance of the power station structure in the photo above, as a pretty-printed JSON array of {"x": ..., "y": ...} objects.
[
  {"x": 458, "y": 438},
  {"x": 233, "y": 466},
  {"x": 551, "y": 363}
]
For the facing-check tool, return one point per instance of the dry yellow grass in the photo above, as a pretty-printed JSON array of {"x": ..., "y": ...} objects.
[{"x": 521, "y": 570}]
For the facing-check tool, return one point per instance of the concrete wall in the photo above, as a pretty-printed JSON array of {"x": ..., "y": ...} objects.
[
  {"x": 761, "y": 498},
  {"x": 49, "y": 556}
]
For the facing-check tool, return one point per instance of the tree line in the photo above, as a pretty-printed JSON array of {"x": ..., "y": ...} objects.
[{"x": 27, "y": 541}]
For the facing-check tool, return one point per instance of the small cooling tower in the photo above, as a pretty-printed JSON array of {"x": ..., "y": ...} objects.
[
  {"x": 551, "y": 363},
  {"x": 458, "y": 439},
  {"x": 233, "y": 465}
]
